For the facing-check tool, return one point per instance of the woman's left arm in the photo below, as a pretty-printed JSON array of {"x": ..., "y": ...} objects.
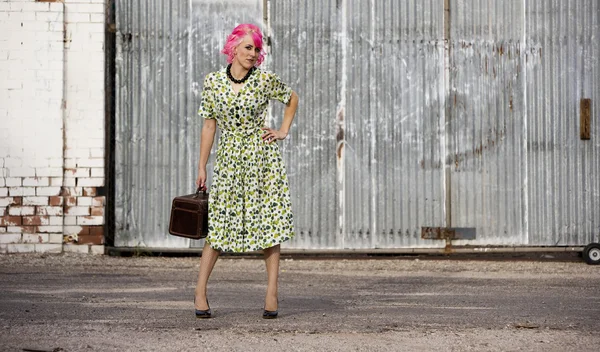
[{"x": 271, "y": 135}]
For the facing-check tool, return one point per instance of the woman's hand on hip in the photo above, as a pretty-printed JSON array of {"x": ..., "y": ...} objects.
[
  {"x": 272, "y": 135},
  {"x": 201, "y": 180}
]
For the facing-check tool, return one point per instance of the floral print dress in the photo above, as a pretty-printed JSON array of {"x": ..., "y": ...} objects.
[{"x": 249, "y": 203}]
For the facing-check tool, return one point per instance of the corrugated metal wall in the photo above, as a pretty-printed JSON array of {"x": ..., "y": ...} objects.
[
  {"x": 563, "y": 171},
  {"x": 410, "y": 116},
  {"x": 164, "y": 49},
  {"x": 486, "y": 125}
]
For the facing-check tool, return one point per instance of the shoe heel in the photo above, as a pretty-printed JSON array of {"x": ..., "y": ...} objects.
[
  {"x": 271, "y": 314},
  {"x": 203, "y": 314}
]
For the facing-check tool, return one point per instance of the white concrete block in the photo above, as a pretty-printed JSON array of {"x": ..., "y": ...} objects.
[
  {"x": 14, "y": 182},
  {"x": 90, "y": 220},
  {"x": 71, "y": 230},
  {"x": 97, "y": 249},
  {"x": 75, "y": 248},
  {"x": 21, "y": 191},
  {"x": 33, "y": 6},
  {"x": 20, "y": 248},
  {"x": 50, "y": 229},
  {"x": 85, "y": 8},
  {"x": 21, "y": 210},
  {"x": 47, "y": 191},
  {"x": 47, "y": 16},
  {"x": 97, "y": 18},
  {"x": 70, "y": 163},
  {"x": 16, "y": 6},
  {"x": 77, "y": 153},
  {"x": 35, "y": 201},
  {"x": 36, "y": 181},
  {"x": 35, "y": 238},
  {"x": 73, "y": 191},
  {"x": 3, "y": 192},
  {"x": 85, "y": 201},
  {"x": 14, "y": 229},
  {"x": 49, "y": 171},
  {"x": 3, "y": 211},
  {"x": 89, "y": 27},
  {"x": 50, "y": 211},
  {"x": 56, "y": 181},
  {"x": 56, "y": 7},
  {"x": 49, "y": 248},
  {"x": 90, "y": 182},
  {"x": 7, "y": 84},
  {"x": 10, "y": 238},
  {"x": 77, "y": 211},
  {"x": 55, "y": 238},
  {"x": 55, "y": 220},
  {"x": 34, "y": 26},
  {"x": 70, "y": 220},
  {"x": 12, "y": 162},
  {"x": 22, "y": 172},
  {"x": 97, "y": 152},
  {"x": 5, "y": 201},
  {"x": 78, "y": 172},
  {"x": 77, "y": 17}
]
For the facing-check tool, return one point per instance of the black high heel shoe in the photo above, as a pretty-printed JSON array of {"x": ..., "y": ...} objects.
[
  {"x": 203, "y": 314},
  {"x": 270, "y": 314}
]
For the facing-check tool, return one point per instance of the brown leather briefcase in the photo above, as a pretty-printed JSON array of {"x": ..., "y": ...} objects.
[{"x": 189, "y": 215}]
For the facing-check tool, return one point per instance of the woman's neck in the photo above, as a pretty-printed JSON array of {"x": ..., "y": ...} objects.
[{"x": 238, "y": 71}]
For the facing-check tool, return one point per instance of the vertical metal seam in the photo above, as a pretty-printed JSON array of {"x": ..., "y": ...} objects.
[
  {"x": 373, "y": 144},
  {"x": 340, "y": 120},
  {"x": 525, "y": 162},
  {"x": 447, "y": 112}
]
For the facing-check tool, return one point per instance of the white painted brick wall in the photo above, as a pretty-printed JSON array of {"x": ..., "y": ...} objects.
[{"x": 51, "y": 81}]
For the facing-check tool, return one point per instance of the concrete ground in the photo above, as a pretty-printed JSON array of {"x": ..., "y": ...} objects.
[{"x": 101, "y": 303}]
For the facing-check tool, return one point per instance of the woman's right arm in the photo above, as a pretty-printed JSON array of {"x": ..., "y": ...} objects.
[{"x": 206, "y": 141}]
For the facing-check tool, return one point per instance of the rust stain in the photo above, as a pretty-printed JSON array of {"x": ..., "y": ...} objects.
[
  {"x": 428, "y": 164},
  {"x": 492, "y": 139},
  {"x": 340, "y": 134},
  {"x": 340, "y": 149}
]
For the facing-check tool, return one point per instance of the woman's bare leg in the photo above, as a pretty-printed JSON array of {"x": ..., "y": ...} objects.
[
  {"x": 207, "y": 263},
  {"x": 272, "y": 263}
]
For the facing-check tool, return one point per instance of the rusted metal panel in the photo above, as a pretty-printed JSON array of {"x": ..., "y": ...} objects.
[
  {"x": 307, "y": 52},
  {"x": 485, "y": 129},
  {"x": 585, "y": 107},
  {"x": 562, "y": 66},
  {"x": 449, "y": 233},
  {"x": 394, "y": 153}
]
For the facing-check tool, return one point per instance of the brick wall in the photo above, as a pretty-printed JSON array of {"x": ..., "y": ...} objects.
[{"x": 52, "y": 126}]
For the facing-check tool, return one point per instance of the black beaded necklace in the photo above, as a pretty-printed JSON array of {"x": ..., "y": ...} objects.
[{"x": 238, "y": 81}]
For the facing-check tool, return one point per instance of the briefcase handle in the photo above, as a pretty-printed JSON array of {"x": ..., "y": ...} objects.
[{"x": 200, "y": 190}]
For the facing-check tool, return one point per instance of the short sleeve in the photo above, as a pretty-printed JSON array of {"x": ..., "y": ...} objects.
[
  {"x": 207, "y": 103},
  {"x": 279, "y": 90}
]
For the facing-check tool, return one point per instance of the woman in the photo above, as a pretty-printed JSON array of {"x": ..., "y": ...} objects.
[{"x": 249, "y": 204}]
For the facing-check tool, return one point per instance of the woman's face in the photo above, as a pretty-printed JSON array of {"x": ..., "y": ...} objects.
[{"x": 246, "y": 53}]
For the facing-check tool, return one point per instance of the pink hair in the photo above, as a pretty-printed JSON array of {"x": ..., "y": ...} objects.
[{"x": 236, "y": 36}]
